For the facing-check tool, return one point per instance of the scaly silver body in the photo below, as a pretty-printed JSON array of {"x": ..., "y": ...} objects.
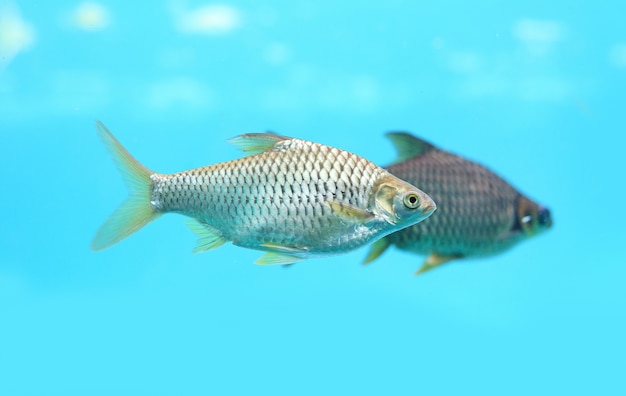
[
  {"x": 292, "y": 198},
  {"x": 279, "y": 197}
]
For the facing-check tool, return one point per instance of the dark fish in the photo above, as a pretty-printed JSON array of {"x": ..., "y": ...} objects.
[{"x": 479, "y": 213}]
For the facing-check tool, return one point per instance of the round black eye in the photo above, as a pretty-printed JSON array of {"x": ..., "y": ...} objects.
[
  {"x": 544, "y": 216},
  {"x": 411, "y": 200}
]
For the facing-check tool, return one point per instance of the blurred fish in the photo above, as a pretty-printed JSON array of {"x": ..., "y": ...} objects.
[
  {"x": 292, "y": 198},
  {"x": 478, "y": 213}
]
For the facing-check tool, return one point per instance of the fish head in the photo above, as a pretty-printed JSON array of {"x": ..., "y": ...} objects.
[
  {"x": 532, "y": 218},
  {"x": 400, "y": 203}
]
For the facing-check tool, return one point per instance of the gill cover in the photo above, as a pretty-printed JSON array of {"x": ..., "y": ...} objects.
[{"x": 384, "y": 200}]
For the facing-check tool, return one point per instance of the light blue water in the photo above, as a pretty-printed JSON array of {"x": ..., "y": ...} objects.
[{"x": 533, "y": 89}]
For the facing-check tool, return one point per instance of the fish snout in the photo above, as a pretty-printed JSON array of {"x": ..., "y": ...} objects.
[{"x": 428, "y": 206}]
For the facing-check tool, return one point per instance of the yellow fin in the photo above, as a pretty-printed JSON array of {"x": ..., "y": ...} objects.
[
  {"x": 136, "y": 211},
  {"x": 280, "y": 255},
  {"x": 435, "y": 260},
  {"x": 376, "y": 249},
  {"x": 350, "y": 213},
  {"x": 208, "y": 237},
  {"x": 256, "y": 143},
  {"x": 275, "y": 258}
]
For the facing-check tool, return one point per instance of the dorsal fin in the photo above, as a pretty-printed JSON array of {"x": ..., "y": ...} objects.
[
  {"x": 408, "y": 146},
  {"x": 256, "y": 143}
]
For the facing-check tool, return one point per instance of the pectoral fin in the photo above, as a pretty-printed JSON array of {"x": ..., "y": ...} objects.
[
  {"x": 376, "y": 250},
  {"x": 350, "y": 213},
  {"x": 435, "y": 260},
  {"x": 208, "y": 237}
]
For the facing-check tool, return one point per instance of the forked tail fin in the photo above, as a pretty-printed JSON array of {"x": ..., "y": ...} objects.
[{"x": 136, "y": 211}]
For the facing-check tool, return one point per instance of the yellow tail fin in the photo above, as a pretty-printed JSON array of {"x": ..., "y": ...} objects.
[{"x": 136, "y": 211}]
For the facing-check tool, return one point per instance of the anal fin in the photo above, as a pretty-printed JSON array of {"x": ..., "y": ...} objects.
[{"x": 434, "y": 260}]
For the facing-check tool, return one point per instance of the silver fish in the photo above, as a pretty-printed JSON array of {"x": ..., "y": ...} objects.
[
  {"x": 479, "y": 213},
  {"x": 293, "y": 198}
]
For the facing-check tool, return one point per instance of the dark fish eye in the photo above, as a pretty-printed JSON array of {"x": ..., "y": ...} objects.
[
  {"x": 544, "y": 217},
  {"x": 411, "y": 200}
]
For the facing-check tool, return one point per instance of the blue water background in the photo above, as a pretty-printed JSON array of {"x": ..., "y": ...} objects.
[{"x": 533, "y": 89}]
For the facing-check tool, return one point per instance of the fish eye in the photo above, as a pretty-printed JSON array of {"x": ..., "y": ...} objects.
[
  {"x": 530, "y": 217},
  {"x": 411, "y": 200},
  {"x": 544, "y": 217}
]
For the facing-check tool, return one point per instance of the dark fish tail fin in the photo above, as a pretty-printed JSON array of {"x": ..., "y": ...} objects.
[{"x": 136, "y": 211}]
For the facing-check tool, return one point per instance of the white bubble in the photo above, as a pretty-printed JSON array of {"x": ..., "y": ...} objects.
[
  {"x": 16, "y": 35},
  {"x": 530, "y": 30},
  {"x": 91, "y": 16},
  {"x": 538, "y": 36},
  {"x": 209, "y": 19}
]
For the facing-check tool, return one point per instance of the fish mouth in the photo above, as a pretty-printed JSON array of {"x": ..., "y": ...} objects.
[
  {"x": 428, "y": 207},
  {"x": 429, "y": 210}
]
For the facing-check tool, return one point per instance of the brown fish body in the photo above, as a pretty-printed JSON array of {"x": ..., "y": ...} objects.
[{"x": 479, "y": 213}]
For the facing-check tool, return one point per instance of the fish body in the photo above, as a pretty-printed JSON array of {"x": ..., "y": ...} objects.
[
  {"x": 479, "y": 213},
  {"x": 290, "y": 197}
]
